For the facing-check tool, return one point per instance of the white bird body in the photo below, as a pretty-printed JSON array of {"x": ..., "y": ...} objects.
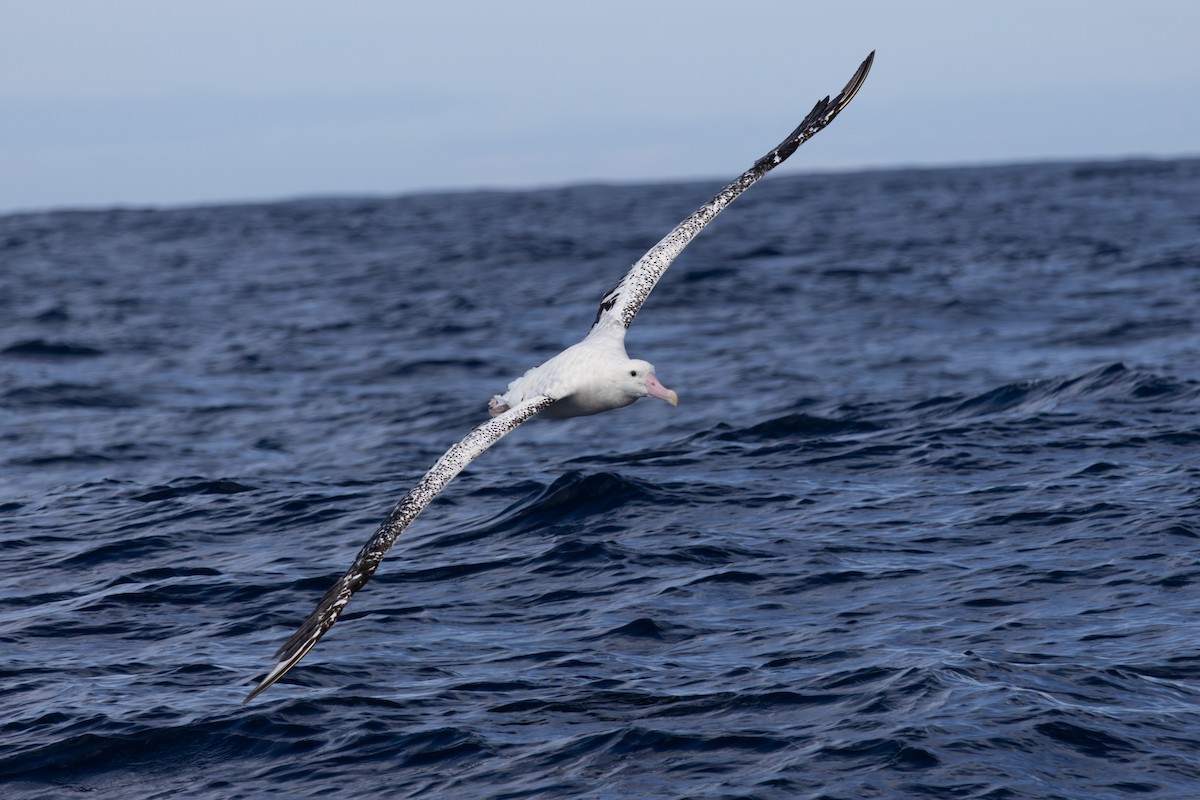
[{"x": 592, "y": 376}]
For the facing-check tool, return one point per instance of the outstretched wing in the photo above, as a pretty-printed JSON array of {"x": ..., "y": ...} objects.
[
  {"x": 622, "y": 304},
  {"x": 368, "y": 558}
]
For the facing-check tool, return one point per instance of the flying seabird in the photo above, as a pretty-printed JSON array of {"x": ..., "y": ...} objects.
[{"x": 589, "y": 377}]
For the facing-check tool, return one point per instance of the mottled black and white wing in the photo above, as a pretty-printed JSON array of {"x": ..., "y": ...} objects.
[
  {"x": 622, "y": 304},
  {"x": 413, "y": 503}
]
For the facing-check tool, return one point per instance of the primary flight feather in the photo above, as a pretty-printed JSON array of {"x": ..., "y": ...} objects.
[{"x": 589, "y": 377}]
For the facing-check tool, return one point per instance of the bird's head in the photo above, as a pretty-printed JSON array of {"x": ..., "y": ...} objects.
[{"x": 638, "y": 380}]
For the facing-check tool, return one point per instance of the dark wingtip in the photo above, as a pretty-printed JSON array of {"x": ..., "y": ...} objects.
[
  {"x": 856, "y": 82},
  {"x": 262, "y": 687},
  {"x": 281, "y": 669},
  {"x": 310, "y": 632},
  {"x": 266, "y": 683},
  {"x": 821, "y": 115}
]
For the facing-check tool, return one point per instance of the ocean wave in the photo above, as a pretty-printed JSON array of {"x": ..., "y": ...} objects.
[{"x": 927, "y": 528}]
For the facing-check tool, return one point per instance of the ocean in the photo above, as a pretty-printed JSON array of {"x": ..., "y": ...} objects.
[{"x": 925, "y": 524}]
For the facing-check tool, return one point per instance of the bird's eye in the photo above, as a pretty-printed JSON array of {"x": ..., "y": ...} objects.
[{"x": 633, "y": 373}]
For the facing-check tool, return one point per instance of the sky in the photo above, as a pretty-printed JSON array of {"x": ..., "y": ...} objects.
[{"x": 151, "y": 103}]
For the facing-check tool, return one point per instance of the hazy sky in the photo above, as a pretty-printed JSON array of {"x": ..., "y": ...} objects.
[{"x": 138, "y": 102}]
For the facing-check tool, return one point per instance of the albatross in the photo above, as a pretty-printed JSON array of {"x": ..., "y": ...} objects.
[{"x": 592, "y": 376}]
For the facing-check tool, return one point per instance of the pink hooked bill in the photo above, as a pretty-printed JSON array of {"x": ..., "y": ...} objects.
[{"x": 656, "y": 389}]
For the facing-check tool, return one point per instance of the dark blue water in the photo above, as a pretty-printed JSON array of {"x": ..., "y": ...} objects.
[{"x": 925, "y": 524}]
